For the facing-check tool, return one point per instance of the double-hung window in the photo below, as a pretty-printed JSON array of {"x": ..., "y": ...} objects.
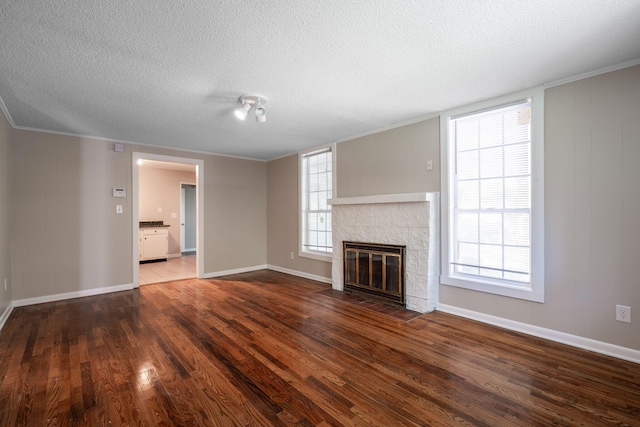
[
  {"x": 493, "y": 202},
  {"x": 316, "y": 188}
]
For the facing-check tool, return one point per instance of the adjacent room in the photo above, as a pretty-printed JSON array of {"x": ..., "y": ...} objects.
[
  {"x": 167, "y": 221},
  {"x": 333, "y": 213}
]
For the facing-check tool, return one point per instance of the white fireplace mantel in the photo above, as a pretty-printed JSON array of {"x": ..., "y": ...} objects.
[
  {"x": 410, "y": 220},
  {"x": 384, "y": 198}
]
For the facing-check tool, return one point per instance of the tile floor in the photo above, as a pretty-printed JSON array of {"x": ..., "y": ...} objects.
[{"x": 183, "y": 267}]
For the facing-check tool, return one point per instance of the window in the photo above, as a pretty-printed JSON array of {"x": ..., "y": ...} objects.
[
  {"x": 316, "y": 187},
  {"x": 492, "y": 177}
]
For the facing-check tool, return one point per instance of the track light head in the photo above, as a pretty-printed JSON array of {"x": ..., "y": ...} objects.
[
  {"x": 249, "y": 101},
  {"x": 242, "y": 111},
  {"x": 261, "y": 113}
]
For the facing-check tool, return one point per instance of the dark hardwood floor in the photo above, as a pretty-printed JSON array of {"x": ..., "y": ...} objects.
[{"x": 266, "y": 348}]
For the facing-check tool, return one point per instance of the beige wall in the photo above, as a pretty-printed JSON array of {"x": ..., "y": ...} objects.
[
  {"x": 160, "y": 188},
  {"x": 592, "y": 205},
  {"x": 282, "y": 219},
  {"x": 390, "y": 162},
  {"x": 66, "y": 234},
  {"x": 235, "y": 224},
  {"x": 5, "y": 214},
  {"x": 68, "y": 238},
  {"x": 592, "y": 214}
]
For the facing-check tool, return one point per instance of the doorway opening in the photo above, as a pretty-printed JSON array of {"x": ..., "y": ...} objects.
[{"x": 167, "y": 199}]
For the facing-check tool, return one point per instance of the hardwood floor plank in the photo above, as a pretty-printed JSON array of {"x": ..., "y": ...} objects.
[
  {"x": 88, "y": 394},
  {"x": 31, "y": 341},
  {"x": 247, "y": 386},
  {"x": 265, "y": 348}
]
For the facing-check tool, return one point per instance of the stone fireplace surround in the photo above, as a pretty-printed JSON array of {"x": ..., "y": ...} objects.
[{"x": 398, "y": 219}]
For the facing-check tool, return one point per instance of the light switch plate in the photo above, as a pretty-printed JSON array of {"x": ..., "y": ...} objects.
[{"x": 119, "y": 209}]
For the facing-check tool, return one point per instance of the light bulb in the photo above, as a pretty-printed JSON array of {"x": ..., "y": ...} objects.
[{"x": 241, "y": 112}]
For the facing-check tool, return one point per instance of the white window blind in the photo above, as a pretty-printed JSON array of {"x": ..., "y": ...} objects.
[
  {"x": 317, "y": 185},
  {"x": 491, "y": 195}
]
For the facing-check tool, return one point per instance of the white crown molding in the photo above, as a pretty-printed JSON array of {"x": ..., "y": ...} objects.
[
  {"x": 283, "y": 156},
  {"x": 143, "y": 144},
  {"x": 617, "y": 351},
  {"x": 4, "y": 109},
  {"x": 593, "y": 73},
  {"x": 390, "y": 127}
]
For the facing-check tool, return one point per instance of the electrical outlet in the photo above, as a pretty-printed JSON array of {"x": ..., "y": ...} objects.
[
  {"x": 290, "y": 255},
  {"x": 429, "y": 165},
  {"x": 623, "y": 313}
]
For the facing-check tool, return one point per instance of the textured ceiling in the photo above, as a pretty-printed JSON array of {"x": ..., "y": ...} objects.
[{"x": 169, "y": 73}]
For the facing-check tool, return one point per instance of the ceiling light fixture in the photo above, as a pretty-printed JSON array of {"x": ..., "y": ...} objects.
[
  {"x": 242, "y": 111},
  {"x": 249, "y": 101}
]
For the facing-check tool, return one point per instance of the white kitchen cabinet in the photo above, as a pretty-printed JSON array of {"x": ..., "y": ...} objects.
[{"x": 154, "y": 243}]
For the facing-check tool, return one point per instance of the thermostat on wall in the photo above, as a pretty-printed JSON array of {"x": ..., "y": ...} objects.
[{"x": 119, "y": 192}]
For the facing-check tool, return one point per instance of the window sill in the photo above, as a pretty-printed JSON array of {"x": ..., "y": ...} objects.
[
  {"x": 528, "y": 294},
  {"x": 316, "y": 256}
]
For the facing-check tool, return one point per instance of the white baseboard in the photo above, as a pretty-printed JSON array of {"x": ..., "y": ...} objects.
[
  {"x": 561, "y": 337},
  {"x": 300, "y": 274},
  {"x": 268, "y": 267},
  {"x": 71, "y": 295},
  {"x": 234, "y": 271},
  {"x": 6, "y": 314}
]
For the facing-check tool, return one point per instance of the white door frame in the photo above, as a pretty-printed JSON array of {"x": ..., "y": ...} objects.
[{"x": 135, "y": 198}]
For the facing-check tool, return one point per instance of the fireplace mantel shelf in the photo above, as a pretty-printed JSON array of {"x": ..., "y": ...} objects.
[{"x": 384, "y": 198}]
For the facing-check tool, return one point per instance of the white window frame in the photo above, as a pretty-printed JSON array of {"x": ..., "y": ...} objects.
[
  {"x": 535, "y": 289},
  {"x": 302, "y": 251}
]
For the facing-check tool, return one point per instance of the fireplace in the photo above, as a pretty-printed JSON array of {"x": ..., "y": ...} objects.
[
  {"x": 375, "y": 269},
  {"x": 409, "y": 220}
]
